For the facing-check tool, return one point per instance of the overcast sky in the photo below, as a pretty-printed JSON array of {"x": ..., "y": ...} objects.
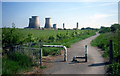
[{"x": 87, "y": 14}]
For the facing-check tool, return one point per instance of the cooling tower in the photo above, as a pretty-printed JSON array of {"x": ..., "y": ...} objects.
[
  {"x": 55, "y": 26},
  {"x": 47, "y": 22},
  {"x": 34, "y": 22},
  {"x": 30, "y": 23}
]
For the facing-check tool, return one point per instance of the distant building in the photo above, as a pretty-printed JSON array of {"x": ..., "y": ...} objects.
[
  {"x": 119, "y": 12},
  {"x": 63, "y": 25},
  {"x": 77, "y": 25},
  {"x": 47, "y": 22},
  {"x": 55, "y": 26},
  {"x": 34, "y": 22}
]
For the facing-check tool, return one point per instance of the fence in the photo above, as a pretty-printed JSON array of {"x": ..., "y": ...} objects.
[
  {"x": 30, "y": 50},
  {"x": 34, "y": 50}
]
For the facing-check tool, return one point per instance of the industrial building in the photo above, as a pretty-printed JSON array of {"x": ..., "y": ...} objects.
[
  {"x": 34, "y": 22},
  {"x": 77, "y": 25},
  {"x": 63, "y": 25},
  {"x": 47, "y": 23},
  {"x": 55, "y": 26}
]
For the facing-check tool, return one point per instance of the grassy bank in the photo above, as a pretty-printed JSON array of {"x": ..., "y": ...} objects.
[{"x": 103, "y": 42}]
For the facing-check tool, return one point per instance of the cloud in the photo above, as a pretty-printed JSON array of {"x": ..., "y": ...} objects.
[{"x": 100, "y": 16}]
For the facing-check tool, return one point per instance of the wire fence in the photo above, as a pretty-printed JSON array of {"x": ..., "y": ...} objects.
[{"x": 30, "y": 50}]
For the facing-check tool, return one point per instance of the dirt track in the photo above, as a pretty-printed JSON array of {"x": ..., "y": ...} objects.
[{"x": 95, "y": 64}]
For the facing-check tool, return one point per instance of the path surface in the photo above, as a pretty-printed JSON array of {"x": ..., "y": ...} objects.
[{"x": 95, "y": 64}]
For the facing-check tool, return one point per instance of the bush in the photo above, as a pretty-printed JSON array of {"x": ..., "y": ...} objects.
[
  {"x": 15, "y": 62},
  {"x": 22, "y": 59},
  {"x": 9, "y": 66},
  {"x": 11, "y": 37},
  {"x": 52, "y": 38},
  {"x": 114, "y": 69}
]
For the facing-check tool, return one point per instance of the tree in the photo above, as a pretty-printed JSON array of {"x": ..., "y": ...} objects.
[{"x": 115, "y": 27}]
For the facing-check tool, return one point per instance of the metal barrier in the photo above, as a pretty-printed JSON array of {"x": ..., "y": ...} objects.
[{"x": 85, "y": 57}]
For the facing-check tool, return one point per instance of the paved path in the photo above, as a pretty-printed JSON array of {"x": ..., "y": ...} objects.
[{"x": 95, "y": 64}]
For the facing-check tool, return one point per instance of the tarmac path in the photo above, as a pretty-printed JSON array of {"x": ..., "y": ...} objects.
[{"x": 94, "y": 65}]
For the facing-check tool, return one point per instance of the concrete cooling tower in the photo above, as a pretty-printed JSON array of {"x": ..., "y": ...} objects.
[
  {"x": 34, "y": 22},
  {"x": 47, "y": 22},
  {"x": 55, "y": 26}
]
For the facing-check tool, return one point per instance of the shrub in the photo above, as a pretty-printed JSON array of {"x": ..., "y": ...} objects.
[
  {"x": 52, "y": 38},
  {"x": 22, "y": 59},
  {"x": 9, "y": 66},
  {"x": 114, "y": 69}
]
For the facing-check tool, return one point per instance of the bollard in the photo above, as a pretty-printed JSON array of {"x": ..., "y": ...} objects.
[{"x": 85, "y": 53}]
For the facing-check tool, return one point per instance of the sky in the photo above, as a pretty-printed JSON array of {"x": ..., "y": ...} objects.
[{"x": 87, "y": 14}]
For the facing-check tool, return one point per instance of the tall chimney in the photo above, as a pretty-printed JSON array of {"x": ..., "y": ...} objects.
[
  {"x": 77, "y": 24},
  {"x": 63, "y": 25},
  {"x": 47, "y": 22}
]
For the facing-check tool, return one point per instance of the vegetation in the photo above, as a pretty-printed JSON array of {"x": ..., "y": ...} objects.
[
  {"x": 15, "y": 62},
  {"x": 18, "y": 62},
  {"x": 103, "y": 42}
]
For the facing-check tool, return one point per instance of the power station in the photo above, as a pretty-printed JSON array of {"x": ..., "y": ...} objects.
[
  {"x": 34, "y": 22},
  {"x": 47, "y": 22}
]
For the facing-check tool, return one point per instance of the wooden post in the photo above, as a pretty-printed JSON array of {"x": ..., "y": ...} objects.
[
  {"x": 111, "y": 52},
  {"x": 40, "y": 57},
  {"x": 85, "y": 53},
  {"x": 41, "y": 54}
]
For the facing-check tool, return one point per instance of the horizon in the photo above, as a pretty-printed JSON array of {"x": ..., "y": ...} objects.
[{"x": 87, "y": 14}]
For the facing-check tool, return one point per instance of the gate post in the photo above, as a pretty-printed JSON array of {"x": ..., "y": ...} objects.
[
  {"x": 85, "y": 53},
  {"x": 111, "y": 52},
  {"x": 65, "y": 53},
  {"x": 41, "y": 54},
  {"x": 41, "y": 57}
]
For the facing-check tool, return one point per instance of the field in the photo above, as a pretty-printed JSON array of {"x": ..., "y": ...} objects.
[{"x": 15, "y": 36}]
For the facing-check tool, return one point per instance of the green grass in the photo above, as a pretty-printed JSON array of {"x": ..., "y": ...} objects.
[
  {"x": 43, "y": 67},
  {"x": 15, "y": 63},
  {"x": 103, "y": 42}
]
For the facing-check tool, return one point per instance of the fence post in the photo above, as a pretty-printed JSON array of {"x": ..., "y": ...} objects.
[
  {"x": 41, "y": 54},
  {"x": 111, "y": 52},
  {"x": 40, "y": 57},
  {"x": 85, "y": 53}
]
